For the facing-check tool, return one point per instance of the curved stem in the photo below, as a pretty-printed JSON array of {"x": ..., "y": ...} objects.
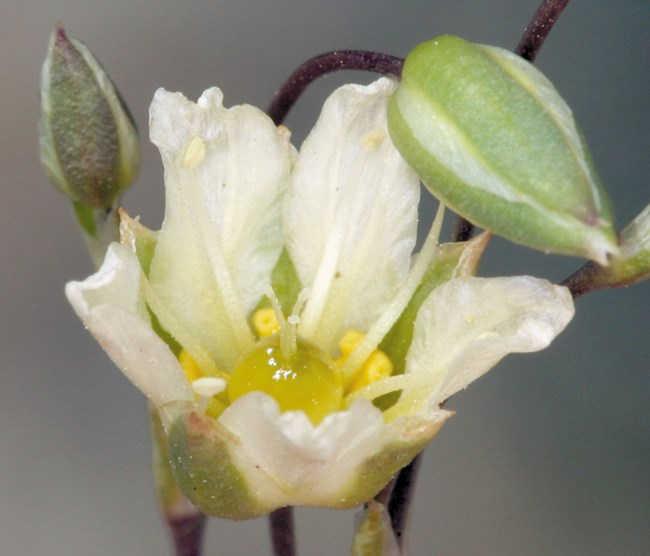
[
  {"x": 323, "y": 64},
  {"x": 539, "y": 27},
  {"x": 529, "y": 46},
  {"x": 586, "y": 279},
  {"x": 400, "y": 498},
  {"x": 282, "y": 536},
  {"x": 187, "y": 533}
]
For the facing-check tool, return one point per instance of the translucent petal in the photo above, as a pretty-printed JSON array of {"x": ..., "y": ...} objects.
[
  {"x": 350, "y": 214},
  {"x": 287, "y": 460},
  {"x": 468, "y": 324},
  {"x": 225, "y": 173},
  {"x": 109, "y": 304}
]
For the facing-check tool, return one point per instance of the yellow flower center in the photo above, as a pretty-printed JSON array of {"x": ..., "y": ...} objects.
[
  {"x": 294, "y": 371},
  {"x": 307, "y": 379}
]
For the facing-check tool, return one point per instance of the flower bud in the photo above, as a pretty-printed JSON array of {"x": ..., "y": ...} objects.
[
  {"x": 490, "y": 136},
  {"x": 88, "y": 141}
]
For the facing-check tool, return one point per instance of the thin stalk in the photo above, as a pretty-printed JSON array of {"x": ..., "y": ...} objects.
[
  {"x": 584, "y": 280},
  {"x": 323, "y": 64},
  {"x": 400, "y": 498},
  {"x": 187, "y": 533},
  {"x": 282, "y": 535},
  {"x": 539, "y": 27}
]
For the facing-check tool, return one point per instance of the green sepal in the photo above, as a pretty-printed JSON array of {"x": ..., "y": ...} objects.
[
  {"x": 169, "y": 494},
  {"x": 453, "y": 259},
  {"x": 204, "y": 470},
  {"x": 490, "y": 136},
  {"x": 219, "y": 477},
  {"x": 374, "y": 535},
  {"x": 285, "y": 284},
  {"x": 632, "y": 264},
  {"x": 629, "y": 266},
  {"x": 99, "y": 228},
  {"x": 145, "y": 247},
  {"x": 85, "y": 217}
]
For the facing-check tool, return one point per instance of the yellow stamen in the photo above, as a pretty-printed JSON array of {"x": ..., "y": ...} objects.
[
  {"x": 190, "y": 367},
  {"x": 212, "y": 405},
  {"x": 349, "y": 342},
  {"x": 194, "y": 153},
  {"x": 384, "y": 323},
  {"x": 376, "y": 367},
  {"x": 265, "y": 322},
  {"x": 373, "y": 139}
]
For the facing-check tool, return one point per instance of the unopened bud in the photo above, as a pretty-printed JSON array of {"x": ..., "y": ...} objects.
[
  {"x": 88, "y": 141},
  {"x": 491, "y": 137}
]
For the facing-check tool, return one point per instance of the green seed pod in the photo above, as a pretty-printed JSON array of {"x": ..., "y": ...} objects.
[
  {"x": 490, "y": 136},
  {"x": 88, "y": 141}
]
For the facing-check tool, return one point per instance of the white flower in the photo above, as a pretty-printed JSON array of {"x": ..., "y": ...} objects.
[{"x": 332, "y": 230}]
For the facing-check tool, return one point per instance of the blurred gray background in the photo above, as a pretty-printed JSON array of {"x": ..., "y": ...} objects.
[{"x": 548, "y": 454}]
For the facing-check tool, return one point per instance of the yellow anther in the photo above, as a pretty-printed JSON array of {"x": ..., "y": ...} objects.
[
  {"x": 373, "y": 139},
  {"x": 349, "y": 341},
  {"x": 194, "y": 153},
  {"x": 190, "y": 367},
  {"x": 213, "y": 405},
  {"x": 377, "y": 367},
  {"x": 265, "y": 322}
]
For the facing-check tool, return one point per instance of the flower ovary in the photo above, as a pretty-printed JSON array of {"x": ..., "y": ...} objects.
[{"x": 308, "y": 380}]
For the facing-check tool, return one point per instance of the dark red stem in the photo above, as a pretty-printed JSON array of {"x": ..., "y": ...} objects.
[
  {"x": 323, "y": 64},
  {"x": 539, "y": 28},
  {"x": 187, "y": 533},
  {"x": 282, "y": 536},
  {"x": 400, "y": 498}
]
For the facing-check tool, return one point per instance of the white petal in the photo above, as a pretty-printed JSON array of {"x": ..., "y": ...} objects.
[
  {"x": 225, "y": 173},
  {"x": 109, "y": 304},
  {"x": 287, "y": 460},
  {"x": 468, "y": 324},
  {"x": 350, "y": 214}
]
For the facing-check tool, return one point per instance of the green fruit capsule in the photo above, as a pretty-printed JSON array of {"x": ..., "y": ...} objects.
[{"x": 490, "y": 136}]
